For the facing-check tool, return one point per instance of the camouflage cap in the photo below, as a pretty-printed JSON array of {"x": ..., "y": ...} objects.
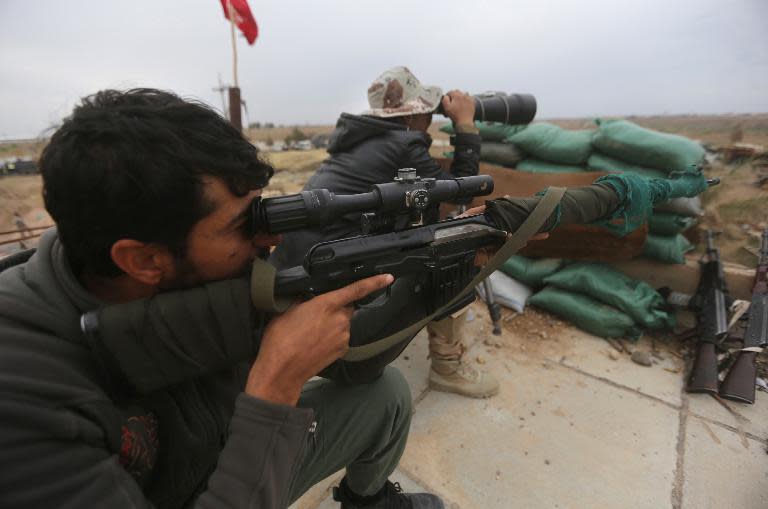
[{"x": 397, "y": 93}]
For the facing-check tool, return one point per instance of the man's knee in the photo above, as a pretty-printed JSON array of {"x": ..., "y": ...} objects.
[{"x": 391, "y": 390}]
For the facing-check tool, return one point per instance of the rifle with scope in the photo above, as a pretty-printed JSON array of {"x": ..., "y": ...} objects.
[
  {"x": 401, "y": 236},
  {"x": 433, "y": 263},
  {"x": 709, "y": 302},
  {"x": 739, "y": 383}
]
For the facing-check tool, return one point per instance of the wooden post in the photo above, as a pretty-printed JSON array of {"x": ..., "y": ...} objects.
[{"x": 235, "y": 117}]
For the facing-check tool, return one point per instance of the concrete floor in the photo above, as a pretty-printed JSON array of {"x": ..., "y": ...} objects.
[{"x": 575, "y": 426}]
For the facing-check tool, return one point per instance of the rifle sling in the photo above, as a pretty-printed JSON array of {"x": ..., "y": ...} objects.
[
  {"x": 263, "y": 288},
  {"x": 514, "y": 243}
]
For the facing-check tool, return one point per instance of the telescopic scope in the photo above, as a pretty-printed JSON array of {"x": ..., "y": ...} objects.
[{"x": 319, "y": 207}]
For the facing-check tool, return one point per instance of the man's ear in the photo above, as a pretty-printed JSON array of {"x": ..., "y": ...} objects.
[{"x": 144, "y": 262}]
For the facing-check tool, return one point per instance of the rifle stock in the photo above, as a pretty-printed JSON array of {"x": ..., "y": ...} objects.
[
  {"x": 739, "y": 384},
  {"x": 703, "y": 376}
]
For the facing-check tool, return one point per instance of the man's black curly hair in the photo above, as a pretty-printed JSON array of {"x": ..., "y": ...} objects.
[{"x": 129, "y": 164}]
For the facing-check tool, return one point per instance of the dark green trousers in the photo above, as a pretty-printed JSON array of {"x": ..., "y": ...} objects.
[{"x": 361, "y": 427}]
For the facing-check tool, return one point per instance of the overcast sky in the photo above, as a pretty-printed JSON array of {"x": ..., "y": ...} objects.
[{"x": 314, "y": 59}]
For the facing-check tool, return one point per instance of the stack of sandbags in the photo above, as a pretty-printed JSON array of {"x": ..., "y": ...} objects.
[
  {"x": 616, "y": 146},
  {"x": 541, "y": 147},
  {"x": 603, "y": 301},
  {"x": 495, "y": 147},
  {"x": 552, "y": 149},
  {"x": 630, "y": 143},
  {"x": 622, "y": 146}
]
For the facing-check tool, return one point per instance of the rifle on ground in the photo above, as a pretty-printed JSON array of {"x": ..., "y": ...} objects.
[
  {"x": 711, "y": 320},
  {"x": 739, "y": 383}
]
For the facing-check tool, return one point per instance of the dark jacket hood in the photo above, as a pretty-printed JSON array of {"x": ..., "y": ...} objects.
[{"x": 354, "y": 129}]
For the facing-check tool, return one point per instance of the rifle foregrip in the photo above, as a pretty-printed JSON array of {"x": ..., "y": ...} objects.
[
  {"x": 704, "y": 373},
  {"x": 739, "y": 383}
]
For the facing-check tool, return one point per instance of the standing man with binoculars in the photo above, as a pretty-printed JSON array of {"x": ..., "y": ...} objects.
[{"x": 368, "y": 149}]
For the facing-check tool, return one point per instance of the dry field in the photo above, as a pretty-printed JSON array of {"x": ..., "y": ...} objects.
[{"x": 736, "y": 207}]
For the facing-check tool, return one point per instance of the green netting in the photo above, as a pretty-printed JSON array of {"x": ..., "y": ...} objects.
[
  {"x": 586, "y": 313},
  {"x": 635, "y": 298},
  {"x": 644, "y": 147},
  {"x": 602, "y": 162},
  {"x": 668, "y": 249},
  {"x": 539, "y": 166},
  {"x": 489, "y": 131},
  {"x": 639, "y": 194},
  {"x": 553, "y": 143},
  {"x": 530, "y": 272},
  {"x": 505, "y": 154},
  {"x": 665, "y": 223}
]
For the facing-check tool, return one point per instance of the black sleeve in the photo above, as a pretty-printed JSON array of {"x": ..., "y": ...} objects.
[
  {"x": 53, "y": 458},
  {"x": 466, "y": 158},
  {"x": 175, "y": 336}
]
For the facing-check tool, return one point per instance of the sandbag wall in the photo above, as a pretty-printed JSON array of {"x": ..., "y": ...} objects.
[
  {"x": 593, "y": 296},
  {"x": 614, "y": 146}
]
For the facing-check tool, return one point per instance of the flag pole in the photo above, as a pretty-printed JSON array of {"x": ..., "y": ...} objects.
[
  {"x": 234, "y": 40},
  {"x": 234, "y": 92}
]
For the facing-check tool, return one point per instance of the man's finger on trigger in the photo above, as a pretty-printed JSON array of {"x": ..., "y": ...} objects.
[{"x": 359, "y": 289}]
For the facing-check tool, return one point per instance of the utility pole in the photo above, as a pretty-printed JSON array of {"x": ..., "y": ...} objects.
[{"x": 221, "y": 89}]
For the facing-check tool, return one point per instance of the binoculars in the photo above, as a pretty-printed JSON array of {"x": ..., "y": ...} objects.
[{"x": 503, "y": 107}]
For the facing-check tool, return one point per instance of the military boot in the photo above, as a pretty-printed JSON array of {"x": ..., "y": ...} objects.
[
  {"x": 450, "y": 371},
  {"x": 391, "y": 496}
]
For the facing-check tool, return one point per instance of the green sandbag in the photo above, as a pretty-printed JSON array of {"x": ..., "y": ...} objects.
[
  {"x": 635, "y": 298},
  {"x": 531, "y": 272},
  {"x": 489, "y": 131},
  {"x": 539, "y": 166},
  {"x": 553, "y": 143},
  {"x": 644, "y": 147},
  {"x": 505, "y": 154},
  {"x": 666, "y": 248},
  {"x": 602, "y": 162},
  {"x": 586, "y": 313},
  {"x": 690, "y": 207},
  {"x": 666, "y": 223}
]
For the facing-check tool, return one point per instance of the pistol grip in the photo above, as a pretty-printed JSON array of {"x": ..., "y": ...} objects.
[{"x": 370, "y": 300}]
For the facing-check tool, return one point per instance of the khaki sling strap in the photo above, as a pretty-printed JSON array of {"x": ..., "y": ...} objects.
[
  {"x": 263, "y": 288},
  {"x": 263, "y": 278},
  {"x": 514, "y": 243}
]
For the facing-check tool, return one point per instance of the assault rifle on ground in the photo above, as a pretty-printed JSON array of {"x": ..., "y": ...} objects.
[
  {"x": 709, "y": 302},
  {"x": 739, "y": 383}
]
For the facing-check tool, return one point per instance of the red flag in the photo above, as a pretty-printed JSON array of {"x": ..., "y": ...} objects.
[{"x": 243, "y": 18}]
